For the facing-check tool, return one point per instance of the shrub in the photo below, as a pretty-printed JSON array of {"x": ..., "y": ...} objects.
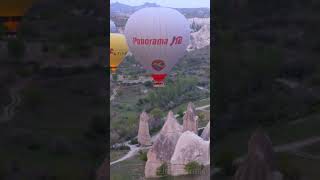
[
  {"x": 134, "y": 141},
  {"x": 143, "y": 156},
  {"x": 180, "y": 113},
  {"x": 194, "y": 167},
  {"x": 162, "y": 170}
]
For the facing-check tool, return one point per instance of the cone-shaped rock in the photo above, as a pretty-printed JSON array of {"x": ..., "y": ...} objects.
[
  {"x": 206, "y": 132},
  {"x": 260, "y": 162},
  {"x": 163, "y": 147},
  {"x": 190, "y": 147},
  {"x": 190, "y": 120},
  {"x": 143, "y": 134}
]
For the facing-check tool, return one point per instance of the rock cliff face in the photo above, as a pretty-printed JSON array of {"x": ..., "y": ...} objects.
[
  {"x": 190, "y": 120},
  {"x": 200, "y": 37},
  {"x": 143, "y": 134},
  {"x": 260, "y": 163},
  {"x": 163, "y": 148},
  {"x": 206, "y": 132},
  {"x": 190, "y": 147}
]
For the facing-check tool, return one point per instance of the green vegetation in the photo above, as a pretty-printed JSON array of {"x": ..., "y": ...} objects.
[
  {"x": 193, "y": 167},
  {"x": 134, "y": 141},
  {"x": 143, "y": 156},
  {"x": 162, "y": 170},
  {"x": 117, "y": 154},
  {"x": 173, "y": 94}
]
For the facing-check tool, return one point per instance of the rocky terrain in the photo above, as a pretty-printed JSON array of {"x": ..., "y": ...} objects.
[
  {"x": 143, "y": 134},
  {"x": 176, "y": 146}
]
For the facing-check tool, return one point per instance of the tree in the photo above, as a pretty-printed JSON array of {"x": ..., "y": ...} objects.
[
  {"x": 180, "y": 113},
  {"x": 162, "y": 170},
  {"x": 156, "y": 113}
]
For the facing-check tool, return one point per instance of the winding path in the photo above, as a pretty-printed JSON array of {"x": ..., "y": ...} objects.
[{"x": 114, "y": 93}]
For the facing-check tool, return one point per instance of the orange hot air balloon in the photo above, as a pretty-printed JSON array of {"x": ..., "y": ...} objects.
[
  {"x": 11, "y": 13},
  {"x": 118, "y": 50}
]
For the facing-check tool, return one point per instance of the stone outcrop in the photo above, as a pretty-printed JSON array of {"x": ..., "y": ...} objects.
[
  {"x": 190, "y": 147},
  {"x": 190, "y": 120},
  {"x": 200, "y": 38},
  {"x": 260, "y": 163},
  {"x": 206, "y": 132},
  {"x": 143, "y": 134},
  {"x": 163, "y": 147}
]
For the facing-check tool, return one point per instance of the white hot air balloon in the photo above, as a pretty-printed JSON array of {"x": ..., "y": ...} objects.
[
  {"x": 157, "y": 37},
  {"x": 113, "y": 28}
]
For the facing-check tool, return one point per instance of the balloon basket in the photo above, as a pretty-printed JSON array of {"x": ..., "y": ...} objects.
[
  {"x": 158, "y": 80},
  {"x": 158, "y": 84}
]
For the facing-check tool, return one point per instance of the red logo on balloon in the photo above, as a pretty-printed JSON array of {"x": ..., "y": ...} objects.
[{"x": 158, "y": 64}]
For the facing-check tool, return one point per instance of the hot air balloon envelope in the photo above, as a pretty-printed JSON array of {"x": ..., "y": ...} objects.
[
  {"x": 118, "y": 50},
  {"x": 158, "y": 37}
]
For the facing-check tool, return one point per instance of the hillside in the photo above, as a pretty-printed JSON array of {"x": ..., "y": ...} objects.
[{"x": 123, "y": 9}]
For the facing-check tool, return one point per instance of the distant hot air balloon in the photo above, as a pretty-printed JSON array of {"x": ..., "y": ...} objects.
[
  {"x": 11, "y": 13},
  {"x": 158, "y": 38},
  {"x": 113, "y": 28},
  {"x": 118, "y": 50}
]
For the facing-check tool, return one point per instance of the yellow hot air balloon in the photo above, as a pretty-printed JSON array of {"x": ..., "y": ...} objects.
[
  {"x": 118, "y": 50},
  {"x": 11, "y": 13}
]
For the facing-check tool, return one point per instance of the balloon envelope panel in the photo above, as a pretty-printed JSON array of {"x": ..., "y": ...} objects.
[
  {"x": 9, "y": 8},
  {"x": 158, "y": 38},
  {"x": 118, "y": 49}
]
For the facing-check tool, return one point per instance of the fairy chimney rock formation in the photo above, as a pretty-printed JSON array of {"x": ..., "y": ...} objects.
[
  {"x": 190, "y": 120},
  {"x": 163, "y": 147},
  {"x": 190, "y": 147},
  {"x": 206, "y": 132},
  {"x": 260, "y": 163},
  {"x": 143, "y": 134}
]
